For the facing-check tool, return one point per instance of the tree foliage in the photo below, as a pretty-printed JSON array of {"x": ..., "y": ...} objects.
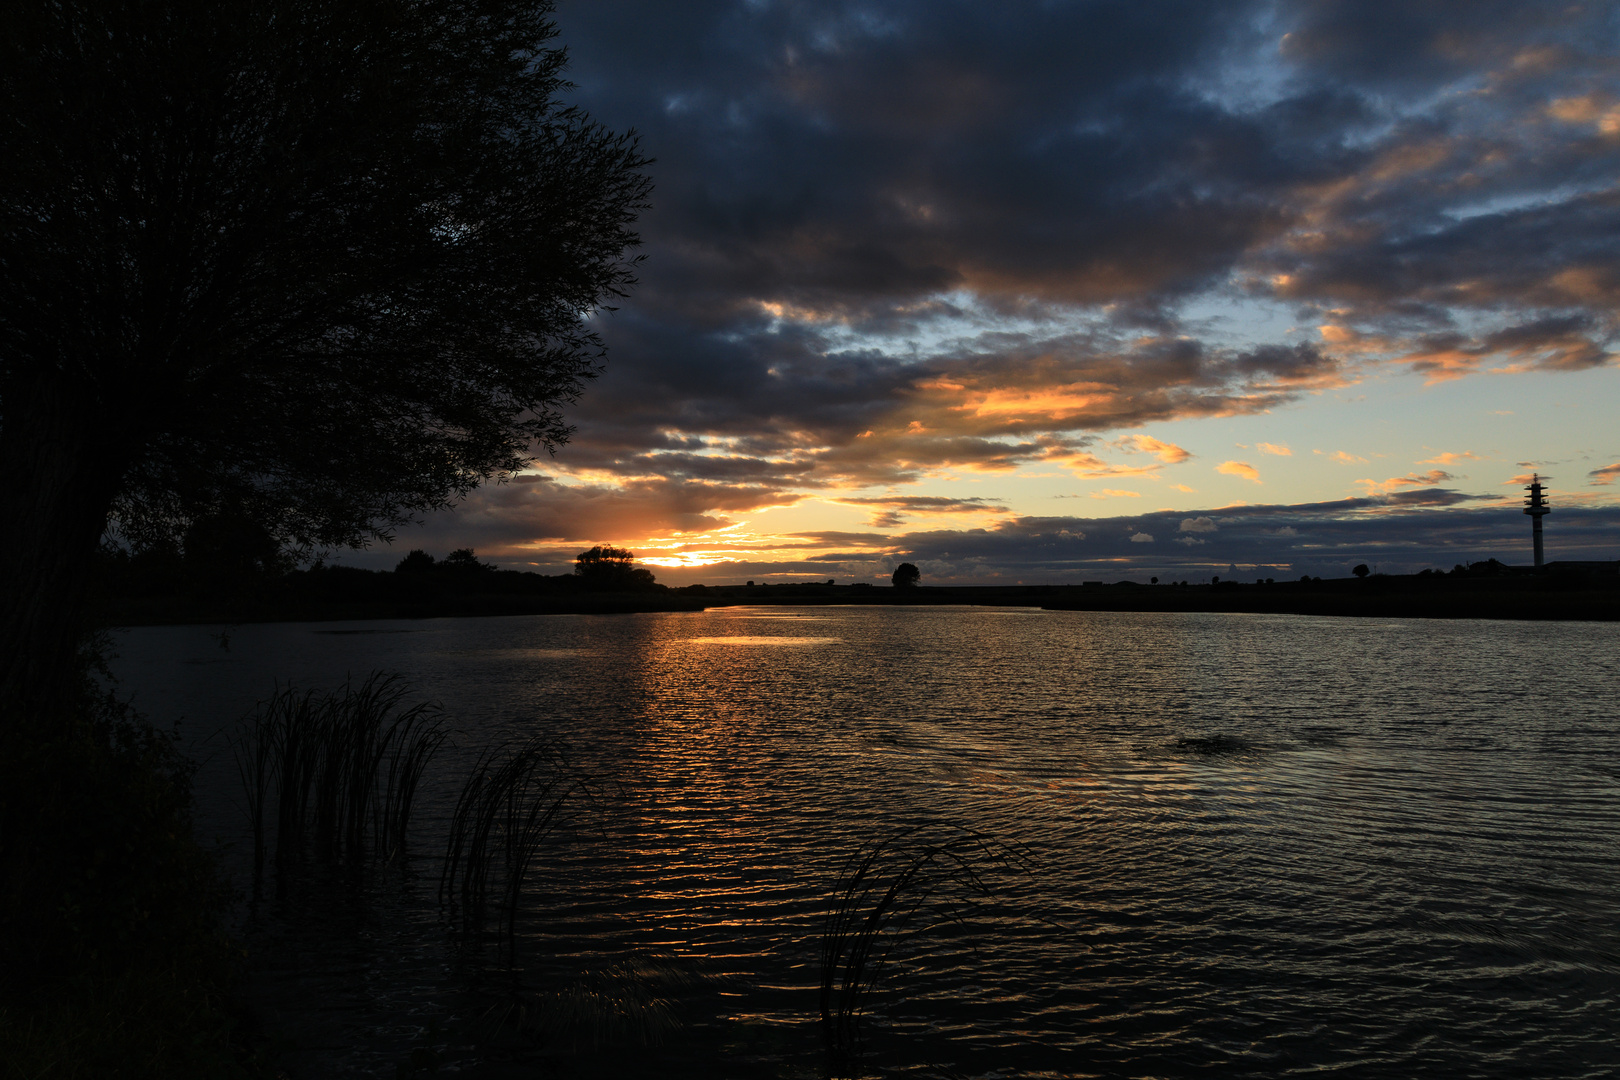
[
  {"x": 906, "y": 575},
  {"x": 608, "y": 567},
  {"x": 326, "y": 264},
  {"x": 463, "y": 561},
  {"x": 417, "y": 562}
]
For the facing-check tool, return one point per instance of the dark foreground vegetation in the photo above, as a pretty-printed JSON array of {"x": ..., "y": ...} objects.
[
  {"x": 313, "y": 269},
  {"x": 114, "y": 960}
]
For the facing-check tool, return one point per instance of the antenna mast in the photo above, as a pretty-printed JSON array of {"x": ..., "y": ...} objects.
[{"x": 1535, "y": 504}]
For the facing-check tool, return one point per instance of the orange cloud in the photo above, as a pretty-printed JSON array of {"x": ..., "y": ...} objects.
[
  {"x": 1546, "y": 345},
  {"x": 1451, "y": 459},
  {"x": 1169, "y": 453},
  {"x": 1590, "y": 109},
  {"x": 1395, "y": 483},
  {"x": 1051, "y": 404},
  {"x": 1342, "y": 458},
  {"x": 1115, "y": 493},
  {"x": 1606, "y": 475},
  {"x": 1239, "y": 468},
  {"x": 888, "y": 511},
  {"x": 1089, "y": 466},
  {"x": 1275, "y": 449}
]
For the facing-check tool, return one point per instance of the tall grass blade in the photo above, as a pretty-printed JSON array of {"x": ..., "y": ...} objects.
[
  {"x": 932, "y": 869},
  {"x": 334, "y": 776},
  {"x": 515, "y": 799}
]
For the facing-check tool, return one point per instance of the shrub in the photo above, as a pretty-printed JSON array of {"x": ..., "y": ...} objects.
[{"x": 113, "y": 957}]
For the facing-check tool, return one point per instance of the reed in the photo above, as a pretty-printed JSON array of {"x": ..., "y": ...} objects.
[
  {"x": 912, "y": 881},
  {"x": 513, "y": 801},
  {"x": 334, "y": 776}
]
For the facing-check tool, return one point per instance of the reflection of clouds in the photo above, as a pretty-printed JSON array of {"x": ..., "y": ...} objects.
[
  {"x": 795, "y": 617},
  {"x": 757, "y": 639}
]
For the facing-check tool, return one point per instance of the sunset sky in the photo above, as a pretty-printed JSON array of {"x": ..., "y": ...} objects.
[{"x": 1047, "y": 292}]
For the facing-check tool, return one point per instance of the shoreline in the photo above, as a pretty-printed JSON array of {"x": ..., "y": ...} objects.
[{"x": 1528, "y": 597}]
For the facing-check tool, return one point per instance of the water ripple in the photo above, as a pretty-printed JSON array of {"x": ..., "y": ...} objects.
[{"x": 1267, "y": 845}]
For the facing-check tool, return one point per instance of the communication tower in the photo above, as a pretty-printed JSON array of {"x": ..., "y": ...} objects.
[{"x": 1535, "y": 504}]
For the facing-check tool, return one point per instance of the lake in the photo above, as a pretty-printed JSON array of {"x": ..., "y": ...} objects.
[{"x": 1250, "y": 845}]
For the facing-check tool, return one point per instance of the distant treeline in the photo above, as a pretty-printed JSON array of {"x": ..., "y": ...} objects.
[
  {"x": 233, "y": 582},
  {"x": 235, "y": 578},
  {"x": 1480, "y": 590}
]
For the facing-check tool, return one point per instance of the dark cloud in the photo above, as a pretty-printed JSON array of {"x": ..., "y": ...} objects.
[
  {"x": 1419, "y": 46},
  {"x": 890, "y": 511},
  {"x": 1302, "y": 362},
  {"x": 1403, "y": 531},
  {"x": 844, "y": 154},
  {"x": 1396, "y": 532},
  {"x": 892, "y": 238},
  {"x": 834, "y": 173}
]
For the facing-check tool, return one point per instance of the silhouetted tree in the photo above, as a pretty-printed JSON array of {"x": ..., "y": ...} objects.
[
  {"x": 465, "y": 560},
  {"x": 1361, "y": 570},
  {"x": 607, "y": 567},
  {"x": 417, "y": 562},
  {"x": 328, "y": 263},
  {"x": 603, "y": 560},
  {"x": 906, "y": 575},
  {"x": 232, "y": 545}
]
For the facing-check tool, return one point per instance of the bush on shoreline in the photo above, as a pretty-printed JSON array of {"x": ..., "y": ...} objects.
[{"x": 113, "y": 957}]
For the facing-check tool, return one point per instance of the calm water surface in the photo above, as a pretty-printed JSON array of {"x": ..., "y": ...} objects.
[{"x": 1266, "y": 845}]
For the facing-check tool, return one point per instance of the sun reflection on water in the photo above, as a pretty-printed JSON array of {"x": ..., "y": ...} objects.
[{"x": 1266, "y": 844}]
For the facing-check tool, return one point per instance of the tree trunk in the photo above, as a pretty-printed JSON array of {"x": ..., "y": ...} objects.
[{"x": 60, "y": 467}]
